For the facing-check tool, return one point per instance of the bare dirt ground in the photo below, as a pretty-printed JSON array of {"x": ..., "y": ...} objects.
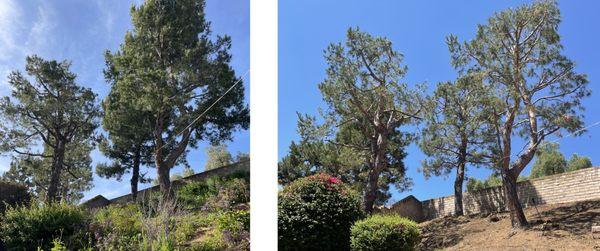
[{"x": 556, "y": 227}]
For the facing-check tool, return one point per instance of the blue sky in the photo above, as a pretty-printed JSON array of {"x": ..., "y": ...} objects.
[
  {"x": 418, "y": 30},
  {"x": 81, "y": 31}
]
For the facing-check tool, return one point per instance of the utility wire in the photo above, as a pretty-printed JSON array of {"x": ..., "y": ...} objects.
[{"x": 205, "y": 111}]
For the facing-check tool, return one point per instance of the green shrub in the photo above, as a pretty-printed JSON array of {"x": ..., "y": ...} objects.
[
  {"x": 117, "y": 227},
  {"x": 13, "y": 194},
  {"x": 212, "y": 240},
  {"x": 316, "y": 213},
  {"x": 215, "y": 193},
  {"x": 384, "y": 232},
  {"x": 27, "y": 228},
  {"x": 195, "y": 194}
]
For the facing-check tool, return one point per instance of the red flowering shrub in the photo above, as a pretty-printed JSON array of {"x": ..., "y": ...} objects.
[{"x": 316, "y": 213}]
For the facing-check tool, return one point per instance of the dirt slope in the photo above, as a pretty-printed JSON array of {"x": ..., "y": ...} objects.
[{"x": 556, "y": 227}]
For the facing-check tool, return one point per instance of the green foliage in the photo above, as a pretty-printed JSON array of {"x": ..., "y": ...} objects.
[
  {"x": 218, "y": 156},
  {"x": 455, "y": 133},
  {"x": 35, "y": 172},
  {"x": 215, "y": 192},
  {"x": 316, "y": 213},
  {"x": 493, "y": 180},
  {"x": 384, "y": 232},
  {"x": 549, "y": 161},
  {"x": 26, "y": 228},
  {"x": 117, "y": 227},
  {"x": 213, "y": 240},
  {"x": 53, "y": 112},
  {"x": 174, "y": 82},
  {"x": 58, "y": 245},
  {"x": 577, "y": 162},
  {"x": 196, "y": 194},
  {"x": 12, "y": 194},
  {"x": 534, "y": 87}
]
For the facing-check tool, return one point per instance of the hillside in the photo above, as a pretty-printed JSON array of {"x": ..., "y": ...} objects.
[{"x": 559, "y": 227}]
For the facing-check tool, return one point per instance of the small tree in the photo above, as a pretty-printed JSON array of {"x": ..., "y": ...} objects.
[
  {"x": 170, "y": 68},
  {"x": 577, "y": 162},
  {"x": 53, "y": 112},
  {"x": 538, "y": 93},
  {"x": 218, "y": 156},
  {"x": 129, "y": 141},
  {"x": 549, "y": 161},
  {"x": 455, "y": 133}
]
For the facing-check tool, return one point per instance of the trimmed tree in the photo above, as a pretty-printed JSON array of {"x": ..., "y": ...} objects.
[
  {"x": 368, "y": 103},
  {"x": 455, "y": 134},
  {"x": 537, "y": 90},
  {"x": 52, "y": 111},
  {"x": 172, "y": 69}
]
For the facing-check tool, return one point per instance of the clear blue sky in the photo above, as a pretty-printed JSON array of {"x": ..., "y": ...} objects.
[
  {"x": 81, "y": 31},
  {"x": 417, "y": 29}
]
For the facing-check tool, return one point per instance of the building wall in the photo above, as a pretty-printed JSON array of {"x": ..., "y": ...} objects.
[
  {"x": 567, "y": 187},
  {"x": 409, "y": 207}
]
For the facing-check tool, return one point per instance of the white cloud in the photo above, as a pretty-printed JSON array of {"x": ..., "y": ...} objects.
[
  {"x": 10, "y": 24},
  {"x": 41, "y": 35}
]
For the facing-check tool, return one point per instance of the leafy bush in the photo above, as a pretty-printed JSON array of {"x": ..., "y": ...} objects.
[
  {"x": 27, "y": 228},
  {"x": 117, "y": 227},
  {"x": 215, "y": 193},
  {"x": 316, "y": 213},
  {"x": 195, "y": 194},
  {"x": 384, "y": 232},
  {"x": 13, "y": 194}
]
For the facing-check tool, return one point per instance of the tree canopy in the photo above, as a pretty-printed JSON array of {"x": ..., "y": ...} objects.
[
  {"x": 170, "y": 68},
  {"x": 218, "y": 156},
  {"x": 518, "y": 53},
  {"x": 455, "y": 134},
  {"x": 367, "y": 103},
  {"x": 49, "y": 111}
]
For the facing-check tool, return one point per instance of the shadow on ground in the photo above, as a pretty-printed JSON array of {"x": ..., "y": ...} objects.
[{"x": 576, "y": 219}]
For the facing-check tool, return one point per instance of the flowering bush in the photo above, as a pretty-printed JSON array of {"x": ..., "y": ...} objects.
[
  {"x": 384, "y": 232},
  {"x": 316, "y": 213}
]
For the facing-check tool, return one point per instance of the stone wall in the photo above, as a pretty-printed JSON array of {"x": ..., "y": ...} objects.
[
  {"x": 567, "y": 187},
  {"x": 221, "y": 171}
]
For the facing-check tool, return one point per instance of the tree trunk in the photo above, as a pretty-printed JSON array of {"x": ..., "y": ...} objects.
[
  {"x": 378, "y": 164},
  {"x": 509, "y": 185},
  {"x": 371, "y": 191},
  {"x": 460, "y": 176},
  {"x": 57, "y": 166},
  {"x": 135, "y": 175},
  {"x": 164, "y": 181},
  {"x": 458, "y": 186}
]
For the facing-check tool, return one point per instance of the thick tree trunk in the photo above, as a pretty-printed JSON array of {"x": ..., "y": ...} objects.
[
  {"x": 135, "y": 175},
  {"x": 57, "y": 166},
  {"x": 371, "y": 191},
  {"x": 379, "y": 163},
  {"x": 164, "y": 181},
  {"x": 511, "y": 197},
  {"x": 458, "y": 186}
]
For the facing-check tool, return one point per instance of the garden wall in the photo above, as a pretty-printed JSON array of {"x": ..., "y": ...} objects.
[
  {"x": 100, "y": 201},
  {"x": 567, "y": 187}
]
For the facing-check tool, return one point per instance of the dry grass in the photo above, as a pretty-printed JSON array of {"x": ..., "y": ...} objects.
[{"x": 556, "y": 227}]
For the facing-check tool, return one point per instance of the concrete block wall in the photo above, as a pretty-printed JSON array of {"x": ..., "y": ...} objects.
[
  {"x": 567, "y": 187},
  {"x": 221, "y": 171}
]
